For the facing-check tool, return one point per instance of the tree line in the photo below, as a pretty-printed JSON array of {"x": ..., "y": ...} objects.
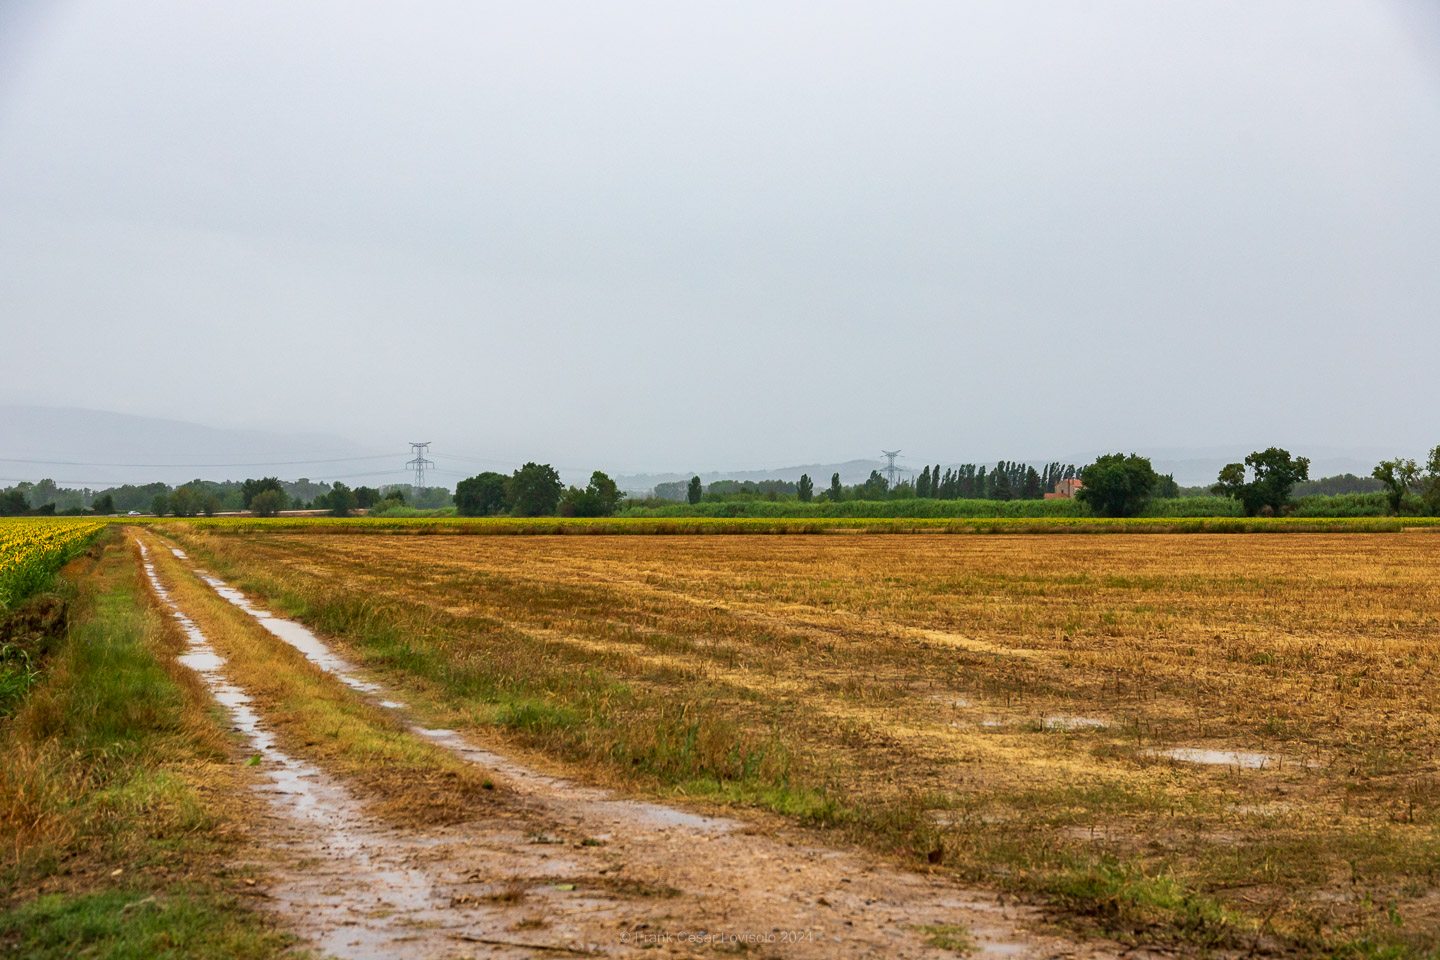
[
  {"x": 1117, "y": 485},
  {"x": 1007, "y": 480},
  {"x": 1263, "y": 484},
  {"x": 209, "y": 497},
  {"x": 535, "y": 490}
]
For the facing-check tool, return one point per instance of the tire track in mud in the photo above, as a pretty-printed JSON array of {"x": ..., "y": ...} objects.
[
  {"x": 568, "y": 869},
  {"x": 327, "y": 816}
]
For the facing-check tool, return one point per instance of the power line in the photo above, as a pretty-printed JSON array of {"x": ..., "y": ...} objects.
[
  {"x": 87, "y": 483},
  {"x": 262, "y": 463},
  {"x": 121, "y": 483},
  {"x": 456, "y": 456}
]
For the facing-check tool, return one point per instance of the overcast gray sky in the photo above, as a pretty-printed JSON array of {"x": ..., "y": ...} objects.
[{"x": 684, "y": 235}]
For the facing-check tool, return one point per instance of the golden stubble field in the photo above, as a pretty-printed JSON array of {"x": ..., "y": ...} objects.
[{"x": 1027, "y": 711}]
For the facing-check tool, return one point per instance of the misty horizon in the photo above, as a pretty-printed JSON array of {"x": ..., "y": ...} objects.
[{"x": 95, "y": 449}]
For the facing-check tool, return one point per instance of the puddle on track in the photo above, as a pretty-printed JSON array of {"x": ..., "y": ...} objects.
[
  {"x": 1063, "y": 722},
  {"x": 319, "y": 653},
  {"x": 303, "y": 793},
  {"x": 1226, "y": 758},
  {"x": 1056, "y": 722},
  {"x": 294, "y": 634},
  {"x": 625, "y": 872}
]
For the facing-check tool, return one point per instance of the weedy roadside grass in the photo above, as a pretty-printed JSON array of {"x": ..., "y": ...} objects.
[
  {"x": 996, "y": 708},
  {"x": 948, "y": 936},
  {"x": 118, "y": 804}
]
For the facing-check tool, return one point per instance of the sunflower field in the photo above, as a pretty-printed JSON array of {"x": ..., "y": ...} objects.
[{"x": 33, "y": 548}]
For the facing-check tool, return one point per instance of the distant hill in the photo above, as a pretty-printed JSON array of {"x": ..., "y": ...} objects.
[{"x": 94, "y": 448}]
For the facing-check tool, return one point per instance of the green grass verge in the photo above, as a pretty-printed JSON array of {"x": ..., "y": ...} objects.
[{"x": 134, "y": 924}]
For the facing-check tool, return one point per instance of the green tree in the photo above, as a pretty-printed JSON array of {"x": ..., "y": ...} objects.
[
  {"x": 160, "y": 505},
  {"x": 922, "y": 483},
  {"x": 533, "y": 491},
  {"x": 875, "y": 487},
  {"x": 1116, "y": 485},
  {"x": 13, "y": 503},
  {"x": 186, "y": 501},
  {"x": 1231, "y": 482},
  {"x": 1399, "y": 476},
  {"x": 1000, "y": 484},
  {"x": 251, "y": 488},
  {"x": 694, "y": 491},
  {"x": 1031, "y": 489},
  {"x": 366, "y": 497},
  {"x": 211, "y": 506},
  {"x": 340, "y": 500},
  {"x": 600, "y": 498},
  {"x": 1276, "y": 474},
  {"x": 268, "y": 502},
  {"x": 837, "y": 492},
  {"x": 46, "y": 491},
  {"x": 1273, "y": 473},
  {"x": 604, "y": 488},
  {"x": 575, "y": 502},
  {"x": 1430, "y": 488},
  {"x": 104, "y": 505},
  {"x": 480, "y": 495},
  {"x": 806, "y": 489},
  {"x": 430, "y": 498}
]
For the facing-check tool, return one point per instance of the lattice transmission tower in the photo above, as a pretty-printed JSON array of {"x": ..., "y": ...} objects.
[
  {"x": 891, "y": 469},
  {"x": 419, "y": 463}
]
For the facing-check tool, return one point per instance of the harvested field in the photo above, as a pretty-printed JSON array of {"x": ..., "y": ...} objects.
[{"x": 1201, "y": 741}]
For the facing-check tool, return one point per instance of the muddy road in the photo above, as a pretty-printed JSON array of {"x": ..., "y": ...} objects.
[{"x": 547, "y": 867}]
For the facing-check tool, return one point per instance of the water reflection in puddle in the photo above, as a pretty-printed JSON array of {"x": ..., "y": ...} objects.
[
  {"x": 317, "y": 652},
  {"x": 1062, "y": 722},
  {"x": 305, "y": 793},
  {"x": 1226, "y": 758},
  {"x": 298, "y": 637}
]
